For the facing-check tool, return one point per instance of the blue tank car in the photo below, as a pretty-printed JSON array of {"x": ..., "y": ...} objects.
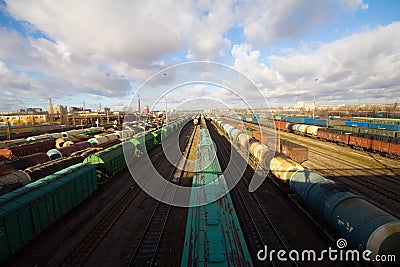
[{"x": 360, "y": 222}]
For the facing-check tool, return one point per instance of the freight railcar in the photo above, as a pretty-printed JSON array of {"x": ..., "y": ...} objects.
[
  {"x": 213, "y": 234},
  {"x": 13, "y": 180},
  {"x": 27, "y": 211},
  {"x": 354, "y": 218},
  {"x": 361, "y": 223},
  {"x": 377, "y": 120},
  {"x": 382, "y": 141}
]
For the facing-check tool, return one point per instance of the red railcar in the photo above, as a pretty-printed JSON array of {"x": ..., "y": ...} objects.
[
  {"x": 67, "y": 151},
  {"x": 333, "y": 136},
  {"x": 386, "y": 145},
  {"x": 294, "y": 151},
  {"x": 380, "y": 146},
  {"x": 28, "y": 161},
  {"x": 5, "y": 168},
  {"x": 268, "y": 140},
  {"x": 23, "y": 162},
  {"x": 82, "y": 145},
  {"x": 281, "y": 125},
  {"x": 32, "y": 148},
  {"x": 360, "y": 142},
  {"x": 394, "y": 149},
  {"x": 341, "y": 138}
]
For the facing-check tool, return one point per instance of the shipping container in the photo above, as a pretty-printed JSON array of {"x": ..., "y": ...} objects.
[
  {"x": 349, "y": 129},
  {"x": 390, "y": 127},
  {"x": 357, "y": 124}
]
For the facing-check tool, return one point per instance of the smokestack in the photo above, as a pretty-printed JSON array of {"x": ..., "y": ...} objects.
[{"x": 138, "y": 104}]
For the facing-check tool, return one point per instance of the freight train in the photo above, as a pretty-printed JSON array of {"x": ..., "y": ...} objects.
[
  {"x": 26, "y": 131},
  {"x": 387, "y": 144},
  {"x": 213, "y": 234},
  {"x": 361, "y": 122},
  {"x": 28, "y": 210},
  {"x": 375, "y": 126},
  {"x": 51, "y": 136},
  {"x": 361, "y": 223}
]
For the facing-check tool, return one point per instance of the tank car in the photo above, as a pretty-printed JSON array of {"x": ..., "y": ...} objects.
[{"x": 360, "y": 222}]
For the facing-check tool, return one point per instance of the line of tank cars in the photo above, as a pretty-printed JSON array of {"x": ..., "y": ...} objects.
[
  {"x": 40, "y": 188},
  {"x": 352, "y": 217},
  {"x": 359, "y": 135}
]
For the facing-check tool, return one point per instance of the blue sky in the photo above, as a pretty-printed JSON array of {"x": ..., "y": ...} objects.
[{"x": 102, "y": 51}]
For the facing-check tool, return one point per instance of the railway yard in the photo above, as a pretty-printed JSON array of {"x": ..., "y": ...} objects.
[{"x": 68, "y": 198}]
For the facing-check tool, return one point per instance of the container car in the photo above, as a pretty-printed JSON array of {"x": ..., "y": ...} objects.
[{"x": 357, "y": 124}]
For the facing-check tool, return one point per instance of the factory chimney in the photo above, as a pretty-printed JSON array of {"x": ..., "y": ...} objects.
[{"x": 138, "y": 104}]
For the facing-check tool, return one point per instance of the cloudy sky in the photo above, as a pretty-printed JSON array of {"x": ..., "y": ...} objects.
[{"x": 101, "y": 51}]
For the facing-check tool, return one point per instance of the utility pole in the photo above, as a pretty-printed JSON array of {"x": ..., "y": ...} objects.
[
  {"x": 139, "y": 108},
  {"x": 313, "y": 112},
  {"x": 73, "y": 117},
  {"x": 8, "y": 129},
  {"x": 51, "y": 113},
  {"x": 108, "y": 118}
]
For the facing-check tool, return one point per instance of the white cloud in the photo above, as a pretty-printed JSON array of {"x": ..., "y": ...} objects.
[
  {"x": 96, "y": 46},
  {"x": 266, "y": 21},
  {"x": 367, "y": 63},
  {"x": 46, "y": 68},
  {"x": 100, "y": 48}
]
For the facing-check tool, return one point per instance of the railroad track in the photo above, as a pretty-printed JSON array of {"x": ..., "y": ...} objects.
[
  {"x": 382, "y": 191},
  {"x": 259, "y": 224},
  {"x": 385, "y": 192},
  {"x": 145, "y": 253},
  {"x": 326, "y": 145},
  {"x": 393, "y": 179},
  {"x": 81, "y": 253}
]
